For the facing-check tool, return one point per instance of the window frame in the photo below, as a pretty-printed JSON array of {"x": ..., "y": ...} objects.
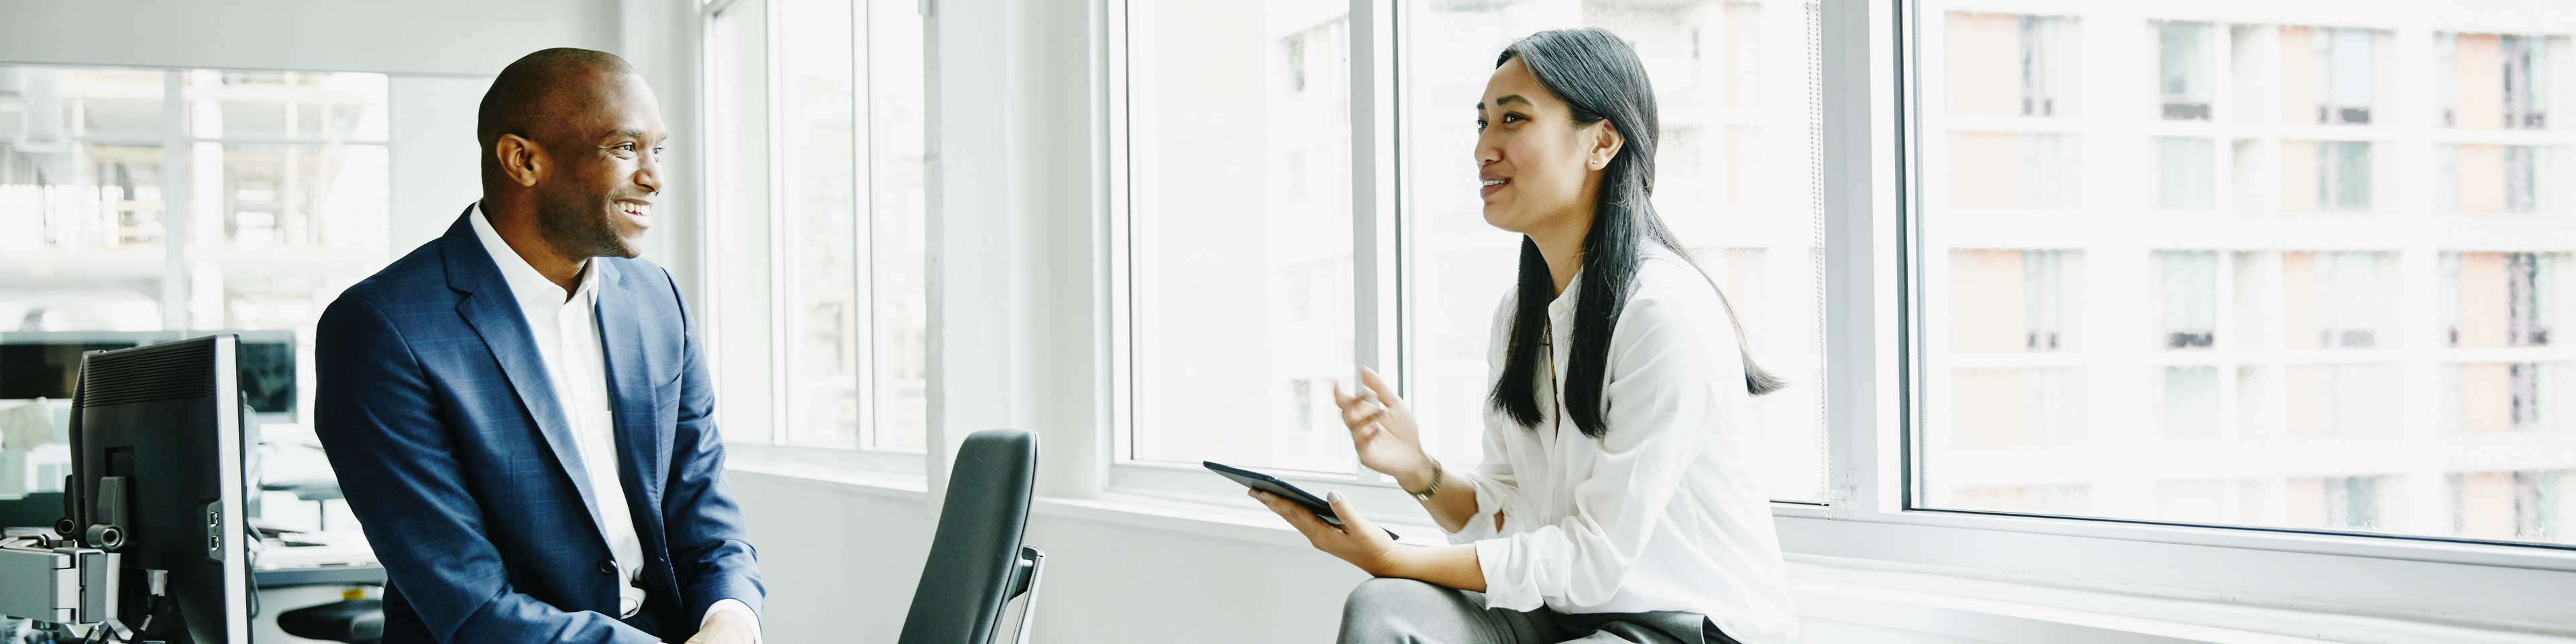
[
  {"x": 1874, "y": 202},
  {"x": 1378, "y": 269},
  {"x": 865, "y": 453}
]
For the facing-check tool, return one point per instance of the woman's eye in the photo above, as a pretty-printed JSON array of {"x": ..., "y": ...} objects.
[
  {"x": 1511, "y": 118},
  {"x": 1480, "y": 125}
]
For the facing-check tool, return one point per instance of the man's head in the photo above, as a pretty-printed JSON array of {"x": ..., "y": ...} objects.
[{"x": 572, "y": 138}]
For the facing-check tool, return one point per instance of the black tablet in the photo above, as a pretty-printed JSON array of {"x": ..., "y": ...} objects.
[{"x": 1273, "y": 485}]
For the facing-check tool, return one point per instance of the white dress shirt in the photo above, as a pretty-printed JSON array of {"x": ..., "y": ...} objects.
[
  {"x": 567, "y": 335},
  {"x": 1667, "y": 511}
]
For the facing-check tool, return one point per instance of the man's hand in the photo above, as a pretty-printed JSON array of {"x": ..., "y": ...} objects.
[{"x": 726, "y": 627}]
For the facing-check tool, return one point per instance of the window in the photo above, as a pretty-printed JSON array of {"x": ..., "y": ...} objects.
[
  {"x": 2326, "y": 74},
  {"x": 2492, "y": 81},
  {"x": 2279, "y": 371},
  {"x": 2188, "y": 181},
  {"x": 2005, "y": 64},
  {"x": 2489, "y": 179},
  {"x": 1257, "y": 285},
  {"x": 156, "y": 199},
  {"x": 818, "y": 301},
  {"x": 2325, "y": 175},
  {"x": 2183, "y": 69}
]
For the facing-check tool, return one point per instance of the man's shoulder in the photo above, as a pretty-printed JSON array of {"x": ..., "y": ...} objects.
[
  {"x": 407, "y": 285},
  {"x": 643, "y": 279}
]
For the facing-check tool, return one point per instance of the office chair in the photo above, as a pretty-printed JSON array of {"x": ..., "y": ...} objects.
[
  {"x": 980, "y": 584},
  {"x": 360, "y": 621}
]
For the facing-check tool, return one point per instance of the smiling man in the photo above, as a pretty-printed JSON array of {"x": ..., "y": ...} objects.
[{"x": 519, "y": 411}]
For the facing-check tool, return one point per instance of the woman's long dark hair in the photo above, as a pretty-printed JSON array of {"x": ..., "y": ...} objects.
[{"x": 1600, "y": 78}]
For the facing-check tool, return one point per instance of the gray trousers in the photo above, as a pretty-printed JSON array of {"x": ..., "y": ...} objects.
[{"x": 1405, "y": 611}]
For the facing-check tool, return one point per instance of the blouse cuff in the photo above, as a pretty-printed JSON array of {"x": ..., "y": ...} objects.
[
  {"x": 1504, "y": 588},
  {"x": 1489, "y": 502}
]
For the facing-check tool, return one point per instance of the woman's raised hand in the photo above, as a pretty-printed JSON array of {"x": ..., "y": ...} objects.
[{"x": 1383, "y": 433}]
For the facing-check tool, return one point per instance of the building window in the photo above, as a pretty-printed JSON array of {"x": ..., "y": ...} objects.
[
  {"x": 2005, "y": 64},
  {"x": 2191, "y": 299},
  {"x": 2326, "y": 75},
  {"x": 2494, "y": 81},
  {"x": 2325, "y": 176},
  {"x": 818, "y": 303},
  {"x": 2029, "y": 170},
  {"x": 2185, "y": 77},
  {"x": 2187, "y": 178},
  {"x": 2010, "y": 301},
  {"x": 2501, "y": 299},
  {"x": 2527, "y": 505},
  {"x": 2488, "y": 179}
]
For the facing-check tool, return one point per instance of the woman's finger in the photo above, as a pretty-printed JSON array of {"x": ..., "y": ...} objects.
[
  {"x": 1377, "y": 384},
  {"x": 1298, "y": 517},
  {"x": 1358, "y": 527}
]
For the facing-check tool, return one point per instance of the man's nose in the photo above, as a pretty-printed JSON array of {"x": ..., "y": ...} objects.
[{"x": 648, "y": 175}]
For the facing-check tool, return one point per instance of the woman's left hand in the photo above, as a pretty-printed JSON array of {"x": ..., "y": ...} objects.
[{"x": 1358, "y": 540}]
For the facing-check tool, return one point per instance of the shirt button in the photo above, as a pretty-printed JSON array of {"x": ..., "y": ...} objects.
[{"x": 608, "y": 566}]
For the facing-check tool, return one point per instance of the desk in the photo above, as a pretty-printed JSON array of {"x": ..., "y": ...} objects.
[{"x": 345, "y": 574}]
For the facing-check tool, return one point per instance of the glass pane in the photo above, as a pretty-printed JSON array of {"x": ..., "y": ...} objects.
[
  {"x": 1736, "y": 182},
  {"x": 291, "y": 105},
  {"x": 738, "y": 253},
  {"x": 2250, "y": 298},
  {"x": 898, "y": 229},
  {"x": 817, "y": 140},
  {"x": 1240, "y": 225}
]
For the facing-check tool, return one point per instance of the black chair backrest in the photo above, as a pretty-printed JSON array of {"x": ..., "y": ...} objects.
[{"x": 976, "y": 553}]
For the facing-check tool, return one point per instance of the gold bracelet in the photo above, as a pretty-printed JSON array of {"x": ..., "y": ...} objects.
[{"x": 1425, "y": 494}]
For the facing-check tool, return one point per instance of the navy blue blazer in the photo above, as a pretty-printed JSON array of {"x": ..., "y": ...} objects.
[{"x": 434, "y": 406}]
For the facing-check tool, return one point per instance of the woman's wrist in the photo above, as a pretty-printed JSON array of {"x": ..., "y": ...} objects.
[{"x": 1420, "y": 476}]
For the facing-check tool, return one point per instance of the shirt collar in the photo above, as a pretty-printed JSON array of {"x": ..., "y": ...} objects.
[{"x": 529, "y": 287}]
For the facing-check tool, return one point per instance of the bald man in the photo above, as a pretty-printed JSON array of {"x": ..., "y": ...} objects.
[{"x": 519, "y": 411}]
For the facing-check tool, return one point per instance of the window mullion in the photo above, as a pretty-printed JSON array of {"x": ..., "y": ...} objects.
[{"x": 1376, "y": 340}]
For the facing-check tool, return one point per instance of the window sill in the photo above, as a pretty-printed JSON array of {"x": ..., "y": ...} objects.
[
  {"x": 1967, "y": 602},
  {"x": 2012, "y": 608}
]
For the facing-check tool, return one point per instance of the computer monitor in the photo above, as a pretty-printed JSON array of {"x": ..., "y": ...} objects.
[
  {"x": 40, "y": 364},
  {"x": 157, "y": 451}
]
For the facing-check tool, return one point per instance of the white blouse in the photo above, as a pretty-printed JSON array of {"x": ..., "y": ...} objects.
[{"x": 1667, "y": 511}]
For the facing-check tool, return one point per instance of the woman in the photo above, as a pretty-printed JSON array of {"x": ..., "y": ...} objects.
[{"x": 1618, "y": 499}]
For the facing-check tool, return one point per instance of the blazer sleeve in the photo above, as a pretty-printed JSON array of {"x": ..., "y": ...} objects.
[
  {"x": 711, "y": 554},
  {"x": 378, "y": 417}
]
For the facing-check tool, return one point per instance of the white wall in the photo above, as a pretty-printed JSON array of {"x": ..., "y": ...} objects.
[{"x": 435, "y": 170}]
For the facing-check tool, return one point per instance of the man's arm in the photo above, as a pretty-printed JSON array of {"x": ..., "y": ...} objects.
[
  {"x": 710, "y": 551},
  {"x": 387, "y": 440}
]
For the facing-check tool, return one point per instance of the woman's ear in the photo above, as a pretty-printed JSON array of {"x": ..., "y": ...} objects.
[{"x": 1605, "y": 146}]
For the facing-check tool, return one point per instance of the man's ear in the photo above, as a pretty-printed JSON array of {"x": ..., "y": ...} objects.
[
  {"x": 1605, "y": 146},
  {"x": 522, "y": 160}
]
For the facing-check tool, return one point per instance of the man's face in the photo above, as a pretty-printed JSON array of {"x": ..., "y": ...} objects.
[{"x": 608, "y": 160}]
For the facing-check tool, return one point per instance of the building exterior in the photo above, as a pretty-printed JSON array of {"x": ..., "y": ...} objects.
[{"x": 2258, "y": 264}]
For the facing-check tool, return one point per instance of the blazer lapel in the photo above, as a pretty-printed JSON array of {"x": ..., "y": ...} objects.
[
  {"x": 494, "y": 313},
  {"x": 642, "y": 452}
]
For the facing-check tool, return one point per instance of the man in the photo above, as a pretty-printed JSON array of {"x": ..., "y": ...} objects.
[{"x": 519, "y": 411}]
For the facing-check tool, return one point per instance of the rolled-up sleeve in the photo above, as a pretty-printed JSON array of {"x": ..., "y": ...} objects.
[{"x": 1666, "y": 365}]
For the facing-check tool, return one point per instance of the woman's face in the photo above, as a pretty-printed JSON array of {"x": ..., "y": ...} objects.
[{"x": 1539, "y": 170}]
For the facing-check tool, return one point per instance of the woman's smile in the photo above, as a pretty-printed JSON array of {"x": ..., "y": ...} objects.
[{"x": 1493, "y": 184}]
